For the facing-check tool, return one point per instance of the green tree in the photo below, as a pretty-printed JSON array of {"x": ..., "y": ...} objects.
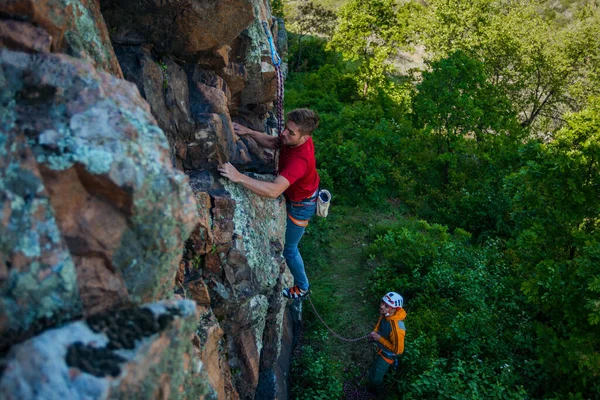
[
  {"x": 370, "y": 32},
  {"x": 555, "y": 252},
  {"x": 277, "y": 8},
  {"x": 471, "y": 129},
  {"x": 456, "y": 100},
  {"x": 543, "y": 66},
  {"x": 310, "y": 18}
]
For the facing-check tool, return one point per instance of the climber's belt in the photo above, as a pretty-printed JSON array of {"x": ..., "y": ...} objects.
[
  {"x": 307, "y": 202},
  {"x": 311, "y": 199},
  {"x": 387, "y": 357}
]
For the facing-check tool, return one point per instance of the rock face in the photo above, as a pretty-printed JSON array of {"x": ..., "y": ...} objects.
[
  {"x": 110, "y": 199},
  {"x": 236, "y": 252},
  {"x": 198, "y": 78},
  {"x": 233, "y": 260}
]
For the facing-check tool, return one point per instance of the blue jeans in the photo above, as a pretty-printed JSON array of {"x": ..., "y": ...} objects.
[{"x": 298, "y": 215}]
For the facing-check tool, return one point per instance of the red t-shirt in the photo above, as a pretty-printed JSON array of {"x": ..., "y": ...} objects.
[{"x": 298, "y": 166}]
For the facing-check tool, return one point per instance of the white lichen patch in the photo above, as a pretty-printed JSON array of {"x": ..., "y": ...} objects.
[
  {"x": 259, "y": 221},
  {"x": 185, "y": 307},
  {"x": 257, "y": 310},
  {"x": 29, "y": 244}
]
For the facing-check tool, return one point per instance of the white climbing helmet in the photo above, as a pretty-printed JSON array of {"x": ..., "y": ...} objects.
[{"x": 393, "y": 299}]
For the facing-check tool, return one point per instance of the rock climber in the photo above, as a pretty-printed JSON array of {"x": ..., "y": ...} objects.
[
  {"x": 388, "y": 337},
  {"x": 298, "y": 180}
]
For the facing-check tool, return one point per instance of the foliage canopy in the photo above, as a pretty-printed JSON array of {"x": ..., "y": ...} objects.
[{"x": 491, "y": 154}]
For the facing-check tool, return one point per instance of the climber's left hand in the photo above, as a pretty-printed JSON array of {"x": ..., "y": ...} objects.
[{"x": 230, "y": 172}]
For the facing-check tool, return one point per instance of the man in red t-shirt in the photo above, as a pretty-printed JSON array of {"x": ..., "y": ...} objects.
[{"x": 297, "y": 180}]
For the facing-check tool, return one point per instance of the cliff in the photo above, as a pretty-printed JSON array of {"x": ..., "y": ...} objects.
[{"x": 129, "y": 268}]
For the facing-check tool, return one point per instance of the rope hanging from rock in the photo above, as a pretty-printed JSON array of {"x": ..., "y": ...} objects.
[
  {"x": 277, "y": 64},
  {"x": 332, "y": 332}
]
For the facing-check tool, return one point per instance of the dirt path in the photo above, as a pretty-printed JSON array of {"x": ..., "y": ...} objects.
[{"x": 335, "y": 254}]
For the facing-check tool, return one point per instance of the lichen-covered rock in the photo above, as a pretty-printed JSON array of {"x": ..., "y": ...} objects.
[
  {"x": 120, "y": 206},
  {"x": 244, "y": 238},
  {"x": 241, "y": 274},
  {"x": 135, "y": 353},
  {"x": 76, "y": 28},
  {"x": 260, "y": 224},
  {"x": 38, "y": 283}
]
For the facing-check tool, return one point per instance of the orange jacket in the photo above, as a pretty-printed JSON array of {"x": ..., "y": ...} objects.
[{"x": 392, "y": 332}]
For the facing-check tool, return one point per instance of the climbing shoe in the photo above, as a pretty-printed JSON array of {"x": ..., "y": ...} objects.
[{"x": 295, "y": 293}]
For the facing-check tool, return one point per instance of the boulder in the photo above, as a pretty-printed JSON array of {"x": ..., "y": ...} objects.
[
  {"x": 75, "y": 27},
  {"x": 118, "y": 205},
  {"x": 135, "y": 353},
  {"x": 179, "y": 27},
  {"x": 24, "y": 36}
]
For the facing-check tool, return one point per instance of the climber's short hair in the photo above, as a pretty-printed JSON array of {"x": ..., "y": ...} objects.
[{"x": 307, "y": 120}]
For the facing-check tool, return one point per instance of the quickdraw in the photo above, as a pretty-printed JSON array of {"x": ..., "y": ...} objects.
[{"x": 277, "y": 64}]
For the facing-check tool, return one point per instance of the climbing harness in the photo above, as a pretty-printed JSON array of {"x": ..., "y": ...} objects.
[
  {"x": 277, "y": 64},
  {"x": 386, "y": 356},
  {"x": 332, "y": 332}
]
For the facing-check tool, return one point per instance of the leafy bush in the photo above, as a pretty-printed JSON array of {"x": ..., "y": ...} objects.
[
  {"x": 458, "y": 298},
  {"x": 314, "y": 376}
]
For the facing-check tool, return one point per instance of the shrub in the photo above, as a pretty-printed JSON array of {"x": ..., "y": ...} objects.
[{"x": 314, "y": 376}]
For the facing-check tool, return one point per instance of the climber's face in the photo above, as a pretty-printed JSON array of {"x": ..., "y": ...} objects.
[
  {"x": 292, "y": 136},
  {"x": 386, "y": 310}
]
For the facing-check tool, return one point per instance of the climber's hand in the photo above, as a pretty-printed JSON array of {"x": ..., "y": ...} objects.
[
  {"x": 241, "y": 129},
  {"x": 230, "y": 172},
  {"x": 374, "y": 336}
]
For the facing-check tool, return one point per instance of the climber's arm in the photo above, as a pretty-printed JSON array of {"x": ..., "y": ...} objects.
[
  {"x": 261, "y": 188},
  {"x": 263, "y": 140}
]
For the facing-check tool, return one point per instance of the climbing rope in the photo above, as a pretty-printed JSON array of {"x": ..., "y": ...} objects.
[
  {"x": 277, "y": 64},
  {"x": 352, "y": 390},
  {"x": 332, "y": 332}
]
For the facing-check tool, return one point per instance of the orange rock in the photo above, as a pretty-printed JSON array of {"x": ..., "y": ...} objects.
[{"x": 199, "y": 292}]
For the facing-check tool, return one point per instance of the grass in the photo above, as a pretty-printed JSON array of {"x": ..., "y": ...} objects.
[{"x": 333, "y": 250}]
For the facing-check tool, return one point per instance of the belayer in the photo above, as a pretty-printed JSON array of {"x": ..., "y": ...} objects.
[
  {"x": 298, "y": 180},
  {"x": 388, "y": 337}
]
